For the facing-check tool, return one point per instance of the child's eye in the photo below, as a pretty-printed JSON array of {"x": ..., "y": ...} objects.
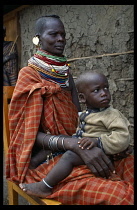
[
  {"x": 96, "y": 90},
  {"x": 64, "y": 35},
  {"x": 106, "y": 88}
]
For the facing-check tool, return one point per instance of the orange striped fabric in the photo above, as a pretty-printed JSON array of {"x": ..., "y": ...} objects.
[
  {"x": 83, "y": 188},
  {"x": 37, "y": 101}
]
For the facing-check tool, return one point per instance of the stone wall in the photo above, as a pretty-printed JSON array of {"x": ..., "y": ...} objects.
[{"x": 93, "y": 30}]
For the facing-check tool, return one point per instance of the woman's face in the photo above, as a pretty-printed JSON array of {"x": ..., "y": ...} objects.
[{"x": 52, "y": 38}]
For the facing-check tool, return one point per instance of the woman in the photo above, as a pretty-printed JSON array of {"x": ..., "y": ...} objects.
[{"x": 42, "y": 105}]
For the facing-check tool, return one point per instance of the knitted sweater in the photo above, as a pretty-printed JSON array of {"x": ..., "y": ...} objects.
[{"x": 109, "y": 124}]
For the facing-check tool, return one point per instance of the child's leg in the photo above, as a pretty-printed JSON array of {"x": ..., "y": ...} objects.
[
  {"x": 63, "y": 168},
  {"x": 59, "y": 172}
]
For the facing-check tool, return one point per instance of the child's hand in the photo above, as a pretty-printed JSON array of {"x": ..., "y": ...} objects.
[
  {"x": 123, "y": 154},
  {"x": 87, "y": 142},
  {"x": 130, "y": 149}
]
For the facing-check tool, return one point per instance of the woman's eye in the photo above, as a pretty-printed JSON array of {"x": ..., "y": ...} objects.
[
  {"x": 106, "y": 88},
  {"x": 53, "y": 34}
]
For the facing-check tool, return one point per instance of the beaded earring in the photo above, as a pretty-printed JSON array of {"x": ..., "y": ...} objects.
[{"x": 35, "y": 40}]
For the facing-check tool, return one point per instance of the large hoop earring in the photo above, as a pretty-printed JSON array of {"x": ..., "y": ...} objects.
[{"x": 35, "y": 40}]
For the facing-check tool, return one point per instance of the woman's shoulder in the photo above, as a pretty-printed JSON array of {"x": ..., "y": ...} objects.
[{"x": 28, "y": 70}]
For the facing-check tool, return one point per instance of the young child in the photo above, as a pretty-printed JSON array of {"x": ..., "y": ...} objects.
[{"x": 100, "y": 125}]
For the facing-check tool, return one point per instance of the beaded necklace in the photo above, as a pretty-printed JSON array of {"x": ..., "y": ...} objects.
[
  {"x": 50, "y": 67},
  {"x": 52, "y": 57}
]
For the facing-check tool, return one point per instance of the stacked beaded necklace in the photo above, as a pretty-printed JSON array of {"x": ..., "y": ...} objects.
[{"x": 51, "y": 67}]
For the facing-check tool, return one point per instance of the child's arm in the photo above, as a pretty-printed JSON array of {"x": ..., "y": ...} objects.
[
  {"x": 118, "y": 139},
  {"x": 88, "y": 142}
]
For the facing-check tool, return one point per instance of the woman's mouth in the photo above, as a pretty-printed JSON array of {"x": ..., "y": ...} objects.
[{"x": 59, "y": 47}]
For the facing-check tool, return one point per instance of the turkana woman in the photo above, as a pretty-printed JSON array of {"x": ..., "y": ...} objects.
[{"x": 45, "y": 102}]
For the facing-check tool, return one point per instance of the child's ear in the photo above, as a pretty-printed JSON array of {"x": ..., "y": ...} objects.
[{"x": 82, "y": 98}]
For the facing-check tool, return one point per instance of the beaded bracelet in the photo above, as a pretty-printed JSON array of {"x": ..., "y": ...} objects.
[
  {"x": 50, "y": 145},
  {"x": 55, "y": 141},
  {"x": 43, "y": 141},
  {"x": 63, "y": 144}
]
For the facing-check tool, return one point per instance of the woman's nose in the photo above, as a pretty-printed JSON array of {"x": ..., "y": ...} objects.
[{"x": 60, "y": 37}]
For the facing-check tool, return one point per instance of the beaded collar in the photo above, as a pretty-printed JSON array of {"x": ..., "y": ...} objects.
[{"x": 51, "y": 67}]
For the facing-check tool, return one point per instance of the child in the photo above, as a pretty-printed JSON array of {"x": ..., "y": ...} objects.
[{"x": 100, "y": 125}]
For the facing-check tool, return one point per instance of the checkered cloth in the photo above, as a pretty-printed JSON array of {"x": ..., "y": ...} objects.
[
  {"x": 83, "y": 188},
  {"x": 59, "y": 115},
  {"x": 36, "y": 101}
]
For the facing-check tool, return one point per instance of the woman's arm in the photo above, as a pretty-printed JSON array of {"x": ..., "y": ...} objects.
[
  {"x": 95, "y": 158},
  {"x": 74, "y": 93}
]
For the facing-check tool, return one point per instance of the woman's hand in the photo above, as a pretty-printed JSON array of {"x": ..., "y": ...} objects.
[
  {"x": 94, "y": 158},
  {"x": 97, "y": 162},
  {"x": 87, "y": 142}
]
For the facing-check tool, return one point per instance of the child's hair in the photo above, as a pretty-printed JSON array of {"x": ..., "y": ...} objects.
[
  {"x": 40, "y": 22},
  {"x": 83, "y": 78}
]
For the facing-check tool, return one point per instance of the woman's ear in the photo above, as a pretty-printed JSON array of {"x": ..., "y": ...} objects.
[
  {"x": 36, "y": 40},
  {"x": 82, "y": 98}
]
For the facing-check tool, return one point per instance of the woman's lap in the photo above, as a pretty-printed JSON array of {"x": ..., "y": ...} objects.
[{"x": 81, "y": 187}]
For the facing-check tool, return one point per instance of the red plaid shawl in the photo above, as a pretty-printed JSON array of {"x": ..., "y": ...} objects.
[
  {"x": 35, "y": 100},
  {"x": 81, "y": 187}
]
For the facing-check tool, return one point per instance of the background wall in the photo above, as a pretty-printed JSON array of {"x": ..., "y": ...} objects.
[{"x": 92, "y": 30}]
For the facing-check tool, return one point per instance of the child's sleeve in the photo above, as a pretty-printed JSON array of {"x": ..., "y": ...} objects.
[{"x": 118, "y": 138}]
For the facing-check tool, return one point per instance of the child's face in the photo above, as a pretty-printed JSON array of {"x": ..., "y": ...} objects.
[{"x": 97, "y": 93}]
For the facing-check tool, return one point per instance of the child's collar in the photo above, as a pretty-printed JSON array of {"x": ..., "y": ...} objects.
[
  {"x": 88, "y": 111},
  {"x": 96, "y": 109}
]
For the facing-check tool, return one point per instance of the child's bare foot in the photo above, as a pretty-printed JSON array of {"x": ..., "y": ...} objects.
[
  {"x": 39, "y": 158},
  {"x": 38, "y": 189}
]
